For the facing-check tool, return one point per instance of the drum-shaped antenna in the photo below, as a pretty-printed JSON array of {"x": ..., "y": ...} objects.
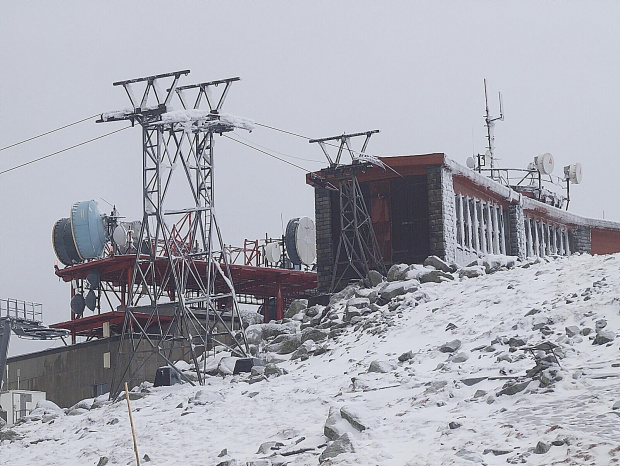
[
  {"x": 544, "y": 163},
  {"x": 88, "y": 228},
  {"x": 273, "y": 253},
  {"x": 300, "y": 241},
  {"x": 62, "y": 240},
  {"x": 574, "y": 173}
]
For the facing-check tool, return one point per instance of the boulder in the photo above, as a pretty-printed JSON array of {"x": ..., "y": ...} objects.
[
  {"x": 516, "y": 342},
  {"x": 406, "y": 356},
  {"x": 358, "y": 303},
  {"x": 296, "y": 306},
  {"x": 391, "y": 290},
  {"x": 272, "y": 369},
  {"x": 335, "y": 426},
  {"x": 460, "y": 357},
  {"x": 313, "y": 334},
  {"x": 492, "y": 262},
  {"x": 382, "y": 367},
  {"x": 267, "y": 447},
  {"x": 353, "y": 417},
  {"x": 472, "y": 272},
  {"x": 227, "y": 365},
  {"x": 603, "y": 336},
  {"x": 286, "y": 346},
  {"x": 450, "y": 347},
  {"x": 600, "y": 324},
  {"x": 374, "y": 278},
  {"x": 511, "y": 388},
  {"x": 437, "y": 263},
  {"x": 542, "y": 448},
  {"x": 572, "y": 330},
  {"x": 397, "y": 272},
  {"x": 435, "y": 276},
  {"x": 206, "y": 397},
  {"x": 350, "y": 313},
  {"x": 344, "y": 444}
]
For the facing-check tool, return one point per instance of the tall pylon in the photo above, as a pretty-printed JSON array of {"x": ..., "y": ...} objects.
[{"x": 180, "y": 268}]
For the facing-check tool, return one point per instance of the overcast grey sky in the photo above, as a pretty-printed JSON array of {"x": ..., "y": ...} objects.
[{"x": 412, "y": 69}]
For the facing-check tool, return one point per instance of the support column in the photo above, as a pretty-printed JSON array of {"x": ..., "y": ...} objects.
[
  {"x": 581, "y": 239},
  {"x": 324, "y": 245},
  {"x": 441, "y": 213},
  {"x": 279, "y": 303},
  {"x": 517, "y": 231}
]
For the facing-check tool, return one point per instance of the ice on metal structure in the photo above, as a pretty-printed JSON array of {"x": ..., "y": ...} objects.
[
  {"x": 180, "y": 265},
  {"x": 358, "y": 250}
]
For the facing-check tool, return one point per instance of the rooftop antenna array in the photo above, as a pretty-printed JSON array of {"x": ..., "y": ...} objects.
[
  {"x": 489, "y": 123},
  {"x": 358, "y": 250},
  {"x": 194, "y": 263}
]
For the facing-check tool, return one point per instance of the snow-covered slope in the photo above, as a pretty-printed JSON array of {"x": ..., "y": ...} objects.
[{"x": 389, "y": 380}]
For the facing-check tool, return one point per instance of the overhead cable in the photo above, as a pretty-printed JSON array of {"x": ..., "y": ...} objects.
[
  {"x": 264, "y": 152},
  {"x": 275, "y": 151},
  {"x": 62, "y": 150},
  {"x": 49, "y": 132}
]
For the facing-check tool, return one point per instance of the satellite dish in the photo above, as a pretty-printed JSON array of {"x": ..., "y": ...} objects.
[
  {"x": 471, "y": 163},
  {"x": 62, "y": 241},
  {"x": 300, "y": 241},
  {"x": 93, "y": 279},
  {"x": 574, "y": 173},
  {"x": 544, "y": 163},
  {"x": 119, "y": 235},
  {"x": 273, "y": 252},
  {"x": 91, "y": 300},
  {"x": 78, "y": 304},
  {"x": 88, "y": 228}
]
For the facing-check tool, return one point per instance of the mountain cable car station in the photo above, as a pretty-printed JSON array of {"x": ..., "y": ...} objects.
[{"x": 148, "y": 292}]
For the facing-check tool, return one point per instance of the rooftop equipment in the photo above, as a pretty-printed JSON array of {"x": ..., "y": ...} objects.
[{"x": 300, "y": 241}]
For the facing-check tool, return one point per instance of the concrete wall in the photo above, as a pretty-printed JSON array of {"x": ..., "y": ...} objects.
[{"x": 69, "y": 374}]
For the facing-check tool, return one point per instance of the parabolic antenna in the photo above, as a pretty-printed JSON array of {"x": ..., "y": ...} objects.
[
  {"x": 91, "y": 300},
  {"x": 119, "y": 235},
  {"x": 78, "y": 304},
  {"x": 62, "y": 240},
  {"x": 273, "y": 253},
  {"x": 93, "y": 279},
  {"x": 300, "y": 241},
  {"x": 574, "y": 173},
  {"x": 88, "y": 228},
  {"x": 544, "y": 163},
  {"x": 471, "y": 163}
]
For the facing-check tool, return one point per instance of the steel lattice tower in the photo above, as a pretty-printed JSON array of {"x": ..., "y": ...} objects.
[
  {"x": 358, "y": 249},
  {"x": 180, "y": 270}
]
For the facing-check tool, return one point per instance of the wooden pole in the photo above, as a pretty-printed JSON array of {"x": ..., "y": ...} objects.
[{"x": 133, "y": 432}]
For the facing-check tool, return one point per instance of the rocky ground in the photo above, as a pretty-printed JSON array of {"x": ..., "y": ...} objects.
[{"x": 500, "y": 362}]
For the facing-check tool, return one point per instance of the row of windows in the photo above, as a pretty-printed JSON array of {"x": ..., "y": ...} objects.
[
  {"x": 544, "y": 239},
  {"x": 480, "y": 226}
]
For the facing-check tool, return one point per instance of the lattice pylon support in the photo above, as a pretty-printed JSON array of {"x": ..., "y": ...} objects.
[
  {"x": 358, "y": 248},
  {"x": 188, "y": 269}
]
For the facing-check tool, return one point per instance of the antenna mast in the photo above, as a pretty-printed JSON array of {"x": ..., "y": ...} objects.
[{"x": 489, "y": 122}]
